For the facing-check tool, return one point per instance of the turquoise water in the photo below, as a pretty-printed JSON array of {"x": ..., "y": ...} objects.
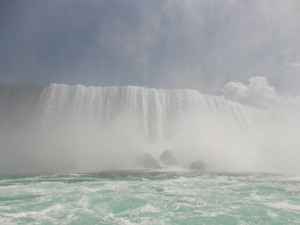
[{"x": 150, "y": 197}]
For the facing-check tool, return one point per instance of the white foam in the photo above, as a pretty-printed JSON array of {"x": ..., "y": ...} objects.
[
  {"x": 272, "y": 214},
  {"x": 283, "y": 205},
  {"x": 148, "y": 208},
  {"x": 117, "y": 220}
]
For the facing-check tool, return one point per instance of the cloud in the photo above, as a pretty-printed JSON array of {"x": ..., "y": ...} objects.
[
  {"x": 184, "y": 44},
  {"x": 294, "y": 67},
  {"x": 258, "y": 93}
]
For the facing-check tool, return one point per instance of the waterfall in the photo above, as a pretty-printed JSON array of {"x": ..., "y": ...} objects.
[
  {"x": 154, "y": 109},
  {"x": 62, "y": 127}
]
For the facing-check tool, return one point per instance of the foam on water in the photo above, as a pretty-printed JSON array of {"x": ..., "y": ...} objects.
[
  {"x": 284, "y": 205},
  {"x": 149, "y": 197}
]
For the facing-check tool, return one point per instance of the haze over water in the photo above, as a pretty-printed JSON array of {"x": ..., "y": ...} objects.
[
  {"x": 79, "y": 128},
  {"x": 114, "y": 84}
]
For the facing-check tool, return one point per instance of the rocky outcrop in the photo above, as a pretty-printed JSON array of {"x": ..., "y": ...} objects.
[
  {"x": 167, "y": 158},
  {"x": 147, "y": 161},
  {"x": 197, "y": 165}
]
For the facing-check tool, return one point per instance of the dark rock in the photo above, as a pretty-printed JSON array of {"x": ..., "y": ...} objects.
[
  {"x": 197, "y": 165},
  {"x": 168, "y": 159},
  {"x": 147, "y": 161}
]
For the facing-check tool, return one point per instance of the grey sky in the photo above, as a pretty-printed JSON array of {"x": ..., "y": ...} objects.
[{"x": 199, "y": 44}]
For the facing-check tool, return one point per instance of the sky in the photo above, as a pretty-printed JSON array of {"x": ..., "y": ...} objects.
[{"x": 200, "y": 44}]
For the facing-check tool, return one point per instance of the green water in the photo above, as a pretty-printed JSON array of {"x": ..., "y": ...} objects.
[{"x": 150, "y": 197}]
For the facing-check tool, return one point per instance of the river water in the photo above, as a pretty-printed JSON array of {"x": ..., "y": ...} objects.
[{"x": 150, "y": 197}]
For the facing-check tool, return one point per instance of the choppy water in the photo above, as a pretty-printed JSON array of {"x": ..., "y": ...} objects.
[{"x": 150, "y": 197}]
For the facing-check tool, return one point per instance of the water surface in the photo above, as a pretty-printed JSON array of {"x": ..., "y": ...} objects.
[{"x": 150, "y": 197}]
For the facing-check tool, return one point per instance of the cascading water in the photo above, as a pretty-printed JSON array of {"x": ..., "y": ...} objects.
[
  {"x": 154, "y": 109},
  {"x": 100, "y": 128}
]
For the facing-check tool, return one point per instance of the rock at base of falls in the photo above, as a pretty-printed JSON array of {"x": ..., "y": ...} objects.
[
  {"x": 167, "y": 158},
  {"x": 147, "y": 161},
  {"x": 197, "y": 165}
]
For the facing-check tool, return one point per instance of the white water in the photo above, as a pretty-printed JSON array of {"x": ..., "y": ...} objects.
[
  {"x": 154, "y": 109},
  {"x": 96, "y": 128}
]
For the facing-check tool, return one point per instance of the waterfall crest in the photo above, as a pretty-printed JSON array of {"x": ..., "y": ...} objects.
[{"x": 155, "y": 109}]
